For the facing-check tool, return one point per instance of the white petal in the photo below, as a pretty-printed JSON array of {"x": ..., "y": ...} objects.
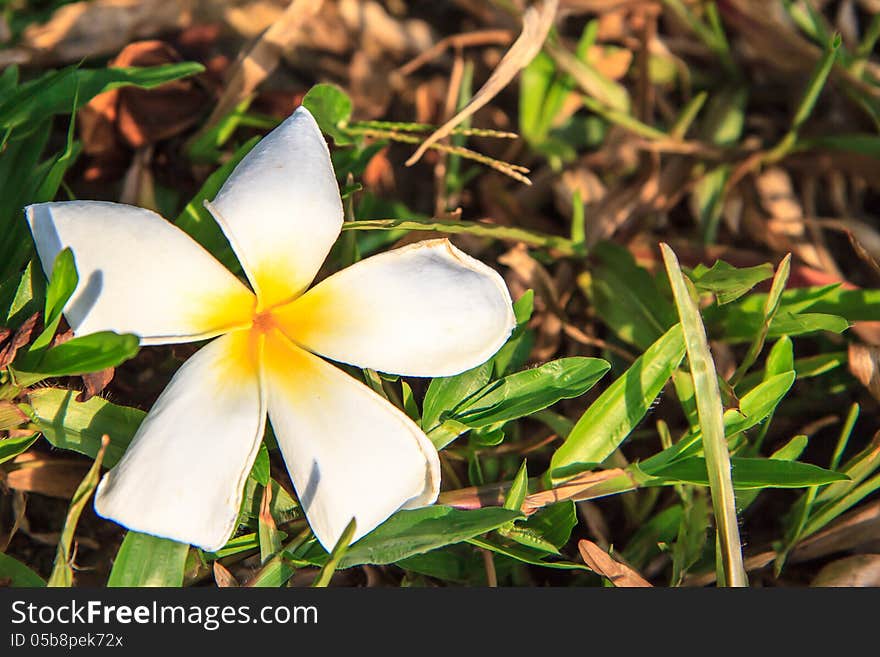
[
  {"x": 138, "y": 273},
  {"x": 183, "y": 475},
  {"x": 350, "y": 453},
  {"x": 281, "y": 209},
  {"x": 422, "y": 310}
]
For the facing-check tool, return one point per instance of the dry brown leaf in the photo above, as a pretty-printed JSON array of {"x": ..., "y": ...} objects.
[
  {"x": 223, "y": 577},
  {"x": 858, "y": 570},
  {"x": 380, "y": 34},
  {"x": 32, "y": 473},
  {"x": 863, "y": 364},
  {"x": 11, "y": 415},
  {"x": 603, "y": 564},
  {"x": 612, "y": 63},
  {"x": 102, "y": 27},
  {"x": 94, "y": 383},
  {"x": 258, "y": 62},
  {"x": 585, "y": 486},
  {"x": 138, "y": 186},
  {"x": 20, "y": 339},
  {"x": 537, "y": 21}
]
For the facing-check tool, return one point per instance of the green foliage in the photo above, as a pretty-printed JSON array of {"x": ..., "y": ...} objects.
[
  {"x": 331, "y": 108},
  {"x": 145, "y": 560},
  {"x": 620, "y": 408},
  {"x": 78, "y": 426},
  {"x": 408, "y": 533},
  {"x": 728, "y": 283},
  {"x": 17, "y": 574}
]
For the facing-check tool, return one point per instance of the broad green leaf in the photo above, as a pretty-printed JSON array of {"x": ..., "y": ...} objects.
[
  {"x": 445, "y": 393},
  {"x": 145, "y": 560},
  {"x": 12, "y": 447},
  {"x": 750, "y": 473},
  {"x": 791, "y": 451},
  {"x": 524, "y": 554},
  {"x": 454, "y": 563},
  {"x": 78, "y": 426},
  {"x": 18, "y": 574},
  {"x": 523, "y": 393},
  {"x": 618, "y": 410},
  {"x": 88, "y": 353},
  {"x": 62, "y": 283},
  {"x": 757, "y": 404},
  {"x": 53, "y": 92},
  {"x": 331, "y": 108},
  {"x": 553, "y": 523},
  {"x": 710, "y": 412},
  {"x": 727, "y": 282},
  {"x": 626, "y": 296},
  {"x": 62, "y": 571},
  {"x": 781, "y": 358},
  {"x": 408, "y": 533},
  {"x": 741, "y": 320}
]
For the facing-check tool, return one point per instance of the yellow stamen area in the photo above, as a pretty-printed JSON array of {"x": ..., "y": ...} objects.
[
  {"x": 320, "y": 312},
  {"x": 224, "y": 312}
]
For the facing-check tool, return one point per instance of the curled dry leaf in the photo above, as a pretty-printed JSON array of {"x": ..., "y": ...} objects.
[
  {"x": 223, "y": 577},
  {"x": 19, "y": 339},
  {"x": 858, "y": 570},
  {"x": 53, "y": 477},
  {"x": 101, "y": 27},
  {"x": 11, "y": 416},
  {"x": 603, "y": 564},
  {"x": 863, "y": 364},
  {"x": 120, "y": 119},
  {"x": 94, "y": 383},
  {"x": 537, "y": 22}
]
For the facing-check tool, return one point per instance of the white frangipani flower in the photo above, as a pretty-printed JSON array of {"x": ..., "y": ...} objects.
[{"x": 421, "y": 310}]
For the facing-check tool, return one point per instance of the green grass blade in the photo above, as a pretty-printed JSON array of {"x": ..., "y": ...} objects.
[
  {"x": 62, "y": 572},
  {"x": 770, "y": 308},
  {"x": 339, "y": 550},
  {"x": 711, "y": 414}
]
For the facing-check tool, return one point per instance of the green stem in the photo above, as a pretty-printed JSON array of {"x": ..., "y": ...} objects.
[{"x": 504, "y": 233}]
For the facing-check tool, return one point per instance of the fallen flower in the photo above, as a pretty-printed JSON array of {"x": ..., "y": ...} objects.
[{"x": 422, "y": 310}]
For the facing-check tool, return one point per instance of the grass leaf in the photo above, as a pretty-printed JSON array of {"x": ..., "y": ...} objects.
[
  {"x": 62, "y": 572},
  {"x": 710, "y": 410}
]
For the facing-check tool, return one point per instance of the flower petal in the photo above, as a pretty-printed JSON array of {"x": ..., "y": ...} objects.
[
  {"x": 138, "y": 273},
  {"x": 281, "y": 209},
  {"x": 183, "y": 475},
  {"x": 422, "y": 310},
  {"x": 350, "y": 453}
]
